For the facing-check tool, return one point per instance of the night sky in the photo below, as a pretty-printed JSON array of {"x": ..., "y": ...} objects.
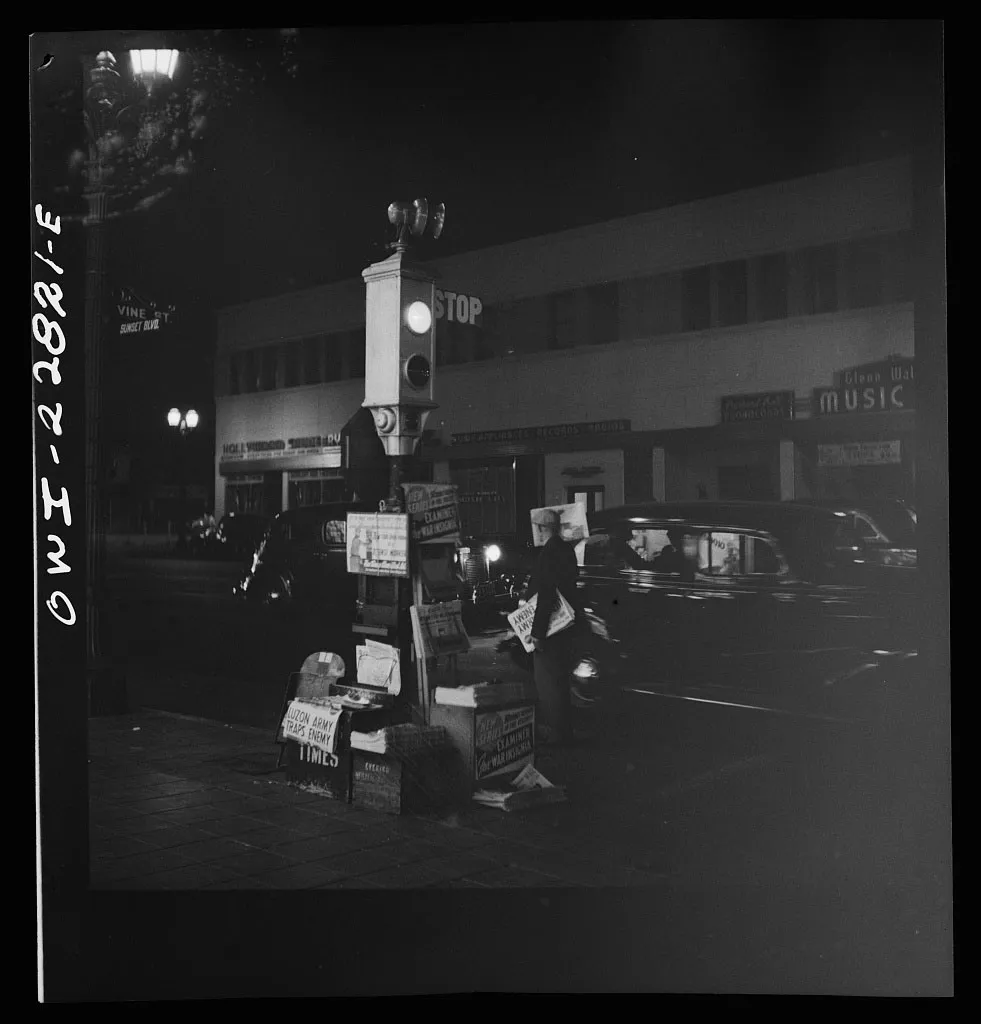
[{"x": 520, "y": 129}]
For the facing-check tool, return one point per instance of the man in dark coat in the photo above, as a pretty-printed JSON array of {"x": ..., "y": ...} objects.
[{"x": 556, "y": 573}]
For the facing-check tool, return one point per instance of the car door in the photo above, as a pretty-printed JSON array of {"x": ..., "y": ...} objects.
[{"x": 646, "y": 610}]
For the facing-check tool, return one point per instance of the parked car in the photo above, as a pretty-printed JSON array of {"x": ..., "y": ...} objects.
[
  {"x": 303, "y": 557},
  {"x": 759, "y": 597},
  {"x": 493, "y": 570},
  {"x": 239, "y": 534},
  {"x": 879, "y": 529}
]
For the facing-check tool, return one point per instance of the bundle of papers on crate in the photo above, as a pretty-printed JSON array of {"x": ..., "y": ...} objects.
[
  {"x": 404, "y": 740},
  {"x": 482, "y": 695}
]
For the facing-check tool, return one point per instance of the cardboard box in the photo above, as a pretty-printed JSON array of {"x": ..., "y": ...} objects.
[
  {"x": 494, "y": 743},
  {"x": 425, "y": 782}
]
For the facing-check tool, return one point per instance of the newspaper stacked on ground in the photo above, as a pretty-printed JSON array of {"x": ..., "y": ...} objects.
[
  {"x": 405, "y": 740},
  {"x": 483, "y": 695},
  {"x": 529, "y": 788}
]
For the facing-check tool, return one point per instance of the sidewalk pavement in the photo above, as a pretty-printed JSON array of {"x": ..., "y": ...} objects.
[{"x": 185, "y": 803}]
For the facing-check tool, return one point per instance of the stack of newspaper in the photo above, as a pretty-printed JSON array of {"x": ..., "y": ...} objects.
[
  {"x": 482, "y": 695},
  {"x": 529, "y": 788},
  {"x": 405, "y": 740}
]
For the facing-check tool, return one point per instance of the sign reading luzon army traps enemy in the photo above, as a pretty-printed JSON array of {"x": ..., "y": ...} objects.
[
  {"x": 504, "y": 741},
  {"x": 433, "y": 512}
]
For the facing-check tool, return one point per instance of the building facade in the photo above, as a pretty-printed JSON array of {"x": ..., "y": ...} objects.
[{"x": 755, "y": 345}]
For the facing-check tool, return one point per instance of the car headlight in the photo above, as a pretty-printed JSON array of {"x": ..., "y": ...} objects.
[
  {"x": 493, "y": 552},
  {"x": 586, "y": 669}
]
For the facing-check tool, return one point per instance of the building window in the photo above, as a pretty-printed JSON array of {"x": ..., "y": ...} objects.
[
  {"x": 731, "y": 278},
  {"x": 603, "y": 307},
  {"x": 250, "y": 375},
  {"x": 311, "y": 360},
  {"x": 356, "y": 353},
  {"x": 820, "y": 267},
  {"x": 267, "y": 368},
  {"x": 234, "y": 373},
  {"x": 562, "y": 316},
  {"x": 695, "y": 308},
  {"x": 451, "y": 342},
  {"x": 771, "y": 287},
  {"x": 334, "y": 356},
  {"x": 863, "y": 272},
  {"x": 293, "y": 364}
]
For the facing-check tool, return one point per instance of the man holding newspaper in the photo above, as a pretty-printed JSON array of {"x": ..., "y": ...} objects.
[{"x": 554, "y": 585}]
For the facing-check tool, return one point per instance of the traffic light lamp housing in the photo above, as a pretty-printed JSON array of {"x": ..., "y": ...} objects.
[{"x": 399, "y": 351}]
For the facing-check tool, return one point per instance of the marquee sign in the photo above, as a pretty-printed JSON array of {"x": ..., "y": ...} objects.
[
  {"x": 543, "y": 433},
  {"x": 328, "y": 445}
]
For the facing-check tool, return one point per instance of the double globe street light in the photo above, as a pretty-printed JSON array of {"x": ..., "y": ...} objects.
[
  {"x": 110, "y": 102},
  {"x": 184, "y": 423}
]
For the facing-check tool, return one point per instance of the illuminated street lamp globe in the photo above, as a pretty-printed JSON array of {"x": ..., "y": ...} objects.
[
  {"x": 191, "y": 419},
  {"x": 174, "y": 417}
]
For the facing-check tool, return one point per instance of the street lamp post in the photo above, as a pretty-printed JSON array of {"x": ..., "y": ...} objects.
[
  {"x": 105, "y": 99},
  {"x": 184, "y": 423}
]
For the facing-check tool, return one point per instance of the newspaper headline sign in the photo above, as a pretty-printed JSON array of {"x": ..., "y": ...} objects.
[
  {"x": 312, "y": 725},
  {"x": 378, "y": 543},
  {"x": 523, "y": 619},
  {"x": 504, "y": 741},
  {"x": 433, "y": 512},
  {"x": 439, "y": 629}
]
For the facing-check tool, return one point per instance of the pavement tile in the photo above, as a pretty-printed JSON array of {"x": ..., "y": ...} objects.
[
  {"x": 349, "y": 883},
  {"x": 311, "y": 848},
  {"x": 513, "y": 878},
  {"x": 299, "y": 876},
  {"x": 233, "y": 825},
  {"x": 254, "y": 862},
  {"x": 193, "y": 876},
  {"x": 188, "y": 815},
  {"x": 237, "y": 804},
  {"x": 173, "y": 836},
  {"x": 138, "y": 826},
  {"x": 240, "y": 882},
  {"x": 211, "y": 849},
  {"x": 108, "y": 848},
  {"x": 362, "y": 862},
  {"x": 268, "y": 837},
  {"x": 142, "y": 865}
]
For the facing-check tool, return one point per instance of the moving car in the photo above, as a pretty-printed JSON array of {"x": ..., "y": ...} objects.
[
  {"x": 878, "y": 529},
  {"x": 303, "y": 557},
  {"x": 493, "y": 570},
  {"x": 755, "y": 598}
]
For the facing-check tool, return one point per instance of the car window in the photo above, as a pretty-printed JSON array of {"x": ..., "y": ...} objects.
[
  {"x": 333, "y": 532},
  {"x": 865, "y": 529},
  {"x": 647, "y": 544},
  {"x": 723, "y": 553}
]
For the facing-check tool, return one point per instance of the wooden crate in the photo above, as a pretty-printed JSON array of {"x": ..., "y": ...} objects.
[
  {"x": 424, "y": 782},
  {"x": 494, "y": 743},
  {"x": 329, "y": 774}
]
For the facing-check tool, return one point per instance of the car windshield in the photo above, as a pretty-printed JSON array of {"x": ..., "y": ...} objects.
[{"x": 897, "y": 524}]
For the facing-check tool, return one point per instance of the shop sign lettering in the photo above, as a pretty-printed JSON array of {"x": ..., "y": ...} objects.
[
  {"x": 881, "y": 398},
  {"x": 772, "y": 405},
  {"x": 543, "y": 433}
]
